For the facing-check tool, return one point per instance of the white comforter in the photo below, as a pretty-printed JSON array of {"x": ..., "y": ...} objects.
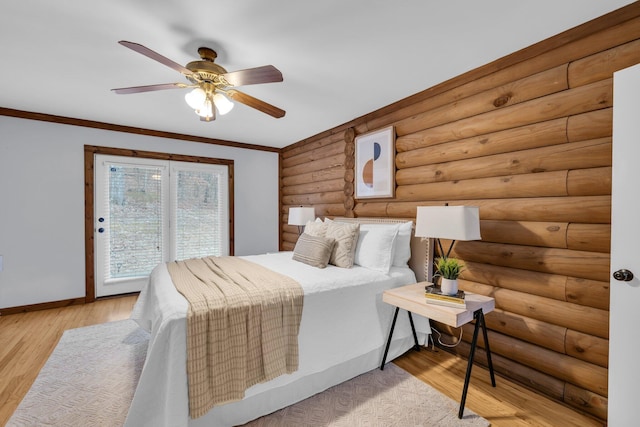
[{"x": 342, "y": 334}]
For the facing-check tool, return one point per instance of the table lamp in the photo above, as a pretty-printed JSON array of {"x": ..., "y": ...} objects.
[
  {"x": 300, "y": 215},
  {"x": 448, "y": 222}
]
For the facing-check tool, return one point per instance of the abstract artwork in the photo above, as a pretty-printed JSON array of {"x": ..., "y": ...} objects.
[{"x": 375, "y": 164}]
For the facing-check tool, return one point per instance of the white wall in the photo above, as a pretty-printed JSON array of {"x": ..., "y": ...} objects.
[{"x": 42, "y": 203}]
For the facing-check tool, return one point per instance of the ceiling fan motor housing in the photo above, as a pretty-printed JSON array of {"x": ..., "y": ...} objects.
[{"x": 206, "y": 70}]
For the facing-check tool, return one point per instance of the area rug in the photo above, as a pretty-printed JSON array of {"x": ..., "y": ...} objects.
[
  {"x": 90, "y": 378},
  {"x": 392, "y": 397}
]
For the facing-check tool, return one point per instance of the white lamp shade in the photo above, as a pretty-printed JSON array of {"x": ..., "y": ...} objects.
[
  {"x": 222, "y": 103},
  {"x": 196, "y": 98},
  {"x": 448, "y": 222},
  {"x": 300, "y": 215}
]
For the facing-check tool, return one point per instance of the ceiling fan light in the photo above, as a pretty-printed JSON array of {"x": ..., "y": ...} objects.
[
  {"x": 196, "y": 98},
  {"x": 222, "y": 103},
  {"x": 206, "y": 109}
]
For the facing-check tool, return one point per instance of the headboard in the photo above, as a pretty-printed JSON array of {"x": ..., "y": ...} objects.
[{"x": 421, "y": 261}]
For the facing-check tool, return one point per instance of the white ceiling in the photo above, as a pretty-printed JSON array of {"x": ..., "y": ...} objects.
[{"x": 340, "y": 59}]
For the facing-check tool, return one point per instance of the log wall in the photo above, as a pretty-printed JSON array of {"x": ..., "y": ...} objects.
[{"x": 526, "y": 138}]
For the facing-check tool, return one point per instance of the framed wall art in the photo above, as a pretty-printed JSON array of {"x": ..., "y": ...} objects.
[{"x": 375, "y": 168}]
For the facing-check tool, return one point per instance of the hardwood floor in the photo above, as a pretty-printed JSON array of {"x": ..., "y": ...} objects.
[{"x": 27, "y": 340}]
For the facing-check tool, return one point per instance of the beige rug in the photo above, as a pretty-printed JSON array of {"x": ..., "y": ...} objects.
[{"x": 91, "y": 375}]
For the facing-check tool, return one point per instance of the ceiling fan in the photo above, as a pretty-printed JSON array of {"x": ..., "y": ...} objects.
[{"x": 212, "y": 85}]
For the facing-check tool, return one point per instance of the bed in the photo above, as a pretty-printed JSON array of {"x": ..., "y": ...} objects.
[{"x": 343, "y": 329}]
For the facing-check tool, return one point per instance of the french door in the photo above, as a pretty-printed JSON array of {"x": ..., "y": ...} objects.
[{"x": 149, "y": 211}]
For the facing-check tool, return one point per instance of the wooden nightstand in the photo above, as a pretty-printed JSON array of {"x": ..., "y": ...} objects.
[{"x": 411, "y": 298}]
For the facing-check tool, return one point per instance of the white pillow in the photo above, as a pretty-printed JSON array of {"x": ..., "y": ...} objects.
[
  {"x": 316, "y": 228},
  {"x": 402, "y": 249},
  {"x": 375, "y": 246}
]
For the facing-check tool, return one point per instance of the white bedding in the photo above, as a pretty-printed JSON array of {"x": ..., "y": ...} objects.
[{"x": 343, "y": 330}]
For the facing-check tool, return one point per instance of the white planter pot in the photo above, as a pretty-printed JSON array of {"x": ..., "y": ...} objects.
[{"x": 449, "y": 286}]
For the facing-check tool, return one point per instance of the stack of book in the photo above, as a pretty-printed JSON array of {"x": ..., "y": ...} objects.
[{"x": 433, "y": 295}]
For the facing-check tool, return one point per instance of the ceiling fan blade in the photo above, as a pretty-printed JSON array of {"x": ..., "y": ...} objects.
[
  {"x": 156, "y": 57},
  {"x": 252, "y": 76},
  {"x": 255, "y": 103},
  {"x": 150, "y": 88}
]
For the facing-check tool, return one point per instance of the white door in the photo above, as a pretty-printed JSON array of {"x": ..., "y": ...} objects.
[
  {"x": 624, "y": 327},
  {"x": 131, "y": 229},
  {"x": 149, "y": 211}
]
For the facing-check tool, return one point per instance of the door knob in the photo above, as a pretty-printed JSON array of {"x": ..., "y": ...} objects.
[{"x": 623, "y": 275}]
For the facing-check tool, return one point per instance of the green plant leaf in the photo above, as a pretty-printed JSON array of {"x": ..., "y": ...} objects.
[{"x": 449, "y": 268}]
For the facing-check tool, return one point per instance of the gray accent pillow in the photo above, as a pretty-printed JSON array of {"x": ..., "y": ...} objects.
[{"x": 313, "y": 250}]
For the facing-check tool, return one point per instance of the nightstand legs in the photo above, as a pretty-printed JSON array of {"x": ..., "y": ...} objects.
[
  {"x": 393, "y": 325},
  {"x": 478, "y": 315}
]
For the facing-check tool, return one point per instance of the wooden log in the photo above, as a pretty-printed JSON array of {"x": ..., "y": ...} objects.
[
  {"x": 530, "y": 87},
  {"x": 548, "y": 385},
  {"x": 587, "y": 347},
  {"x": 552, "y": 311},
  {"x": 584, "y": 400},
  {"x": 592, "y": 293},
  {"x": 591, "y": 125},
  {"x": 349, "y": 162},
  {"x": 349, "y": 175},
  {"x": 530, "y": 282},
  {"x": 324, "y": 163},
  {"x": 582, "y": 154},
  {"x": 594, "y": 96},
  {"x": 520, "y": 138},
  {"x": 545, "y": 184},
  {"x": 290, "y": 237},
  {"x": 580, "y": 318},
  {"x": 314, "y": 154},
  {"x": 287, "y": 246},
  {"x": 315, "y": 176},
  {"x": 533, "y": 331},
  {"x": 603, "y": 64},
  {"x": 313, "y": 199},
  {"x": 575, "y": 371},
  {"x": 349, "y": 137},
  {"x": 544, "y": 309},
  {"x": 591, "y": 210},
  {"x": 589, "y": 237},
  {"x": 589, "y": 182},
  {"x": 544, "y": 383},
  {"x": 567, "y": 262},
  {"x": 546, "y": 234},
  {"x": 312, "y": 143},
  {"x": 314, "y": 187},
  {"x": 286, "y": 228},
  {"x": 372, "y": 209},
  {"x": 324, "y": 210},
  {"x": 506, "y": 69}
]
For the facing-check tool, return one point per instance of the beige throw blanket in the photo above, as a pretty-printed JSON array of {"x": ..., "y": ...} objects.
[{"x": 242, "y": 327}]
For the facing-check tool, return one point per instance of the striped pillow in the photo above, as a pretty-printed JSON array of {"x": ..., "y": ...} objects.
[{"x": 313, "y": 250}]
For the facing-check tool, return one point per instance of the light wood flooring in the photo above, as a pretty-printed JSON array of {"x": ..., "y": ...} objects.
[{"x": 27, "y": 340}]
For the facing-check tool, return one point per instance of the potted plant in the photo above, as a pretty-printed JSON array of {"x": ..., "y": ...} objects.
[{"x": 448, "y": 269}]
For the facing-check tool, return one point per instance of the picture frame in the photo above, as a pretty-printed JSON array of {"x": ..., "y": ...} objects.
[{"x": 375, "y": 164}]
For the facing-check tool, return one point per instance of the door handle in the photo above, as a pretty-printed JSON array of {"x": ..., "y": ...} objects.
[{"x": 623, "y": 275}]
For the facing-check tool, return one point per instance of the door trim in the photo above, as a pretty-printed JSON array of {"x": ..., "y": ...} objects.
[{"x": 89, "y": 202}]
